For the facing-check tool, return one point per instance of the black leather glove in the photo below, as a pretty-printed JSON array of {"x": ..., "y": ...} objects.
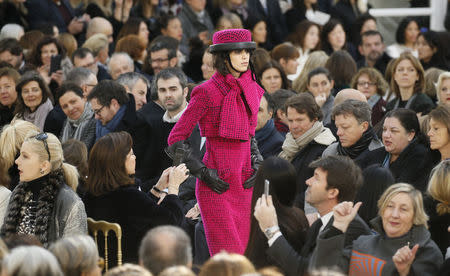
[
  {"x": 257, "y": 160},
  {"x": 181, "y": 152}
]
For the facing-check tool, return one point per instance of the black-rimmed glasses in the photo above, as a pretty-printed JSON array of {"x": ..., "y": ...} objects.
[
  {"x": 43, "y": 137},
  {"x": 97, "y": 111}
]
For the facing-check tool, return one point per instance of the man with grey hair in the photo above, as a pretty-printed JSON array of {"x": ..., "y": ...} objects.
[
  {"x": 137, "y": 85},
  {"x": 120, "y": 63},
  {"x": 165, "y": 246},
  {"x": 354, "y": 129},
  {"x": 84, "y": 78}
]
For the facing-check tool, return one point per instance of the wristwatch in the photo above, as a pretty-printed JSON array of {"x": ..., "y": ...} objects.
[{"x": 269, "y": 232}]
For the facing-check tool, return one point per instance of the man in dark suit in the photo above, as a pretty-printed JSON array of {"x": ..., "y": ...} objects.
[{"x": 336, "y": 179}]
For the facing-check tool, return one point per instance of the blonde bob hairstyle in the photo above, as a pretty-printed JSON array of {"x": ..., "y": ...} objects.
[
  {"x": 439, "y": 188},
  {"x": 56, "y": 156},
  {"x": 11, "y": 139},
  {"x": 420, "y": 217},
  {"x": 441, "y": 79},
  {"x": 227, "y": 264},
  {"x": 419, "y": 84},
  {"x": 315, "y": 59}
]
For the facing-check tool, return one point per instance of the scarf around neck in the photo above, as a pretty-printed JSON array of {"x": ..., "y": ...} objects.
[
  {"x": 102, "y": 130},
  {"x": 39, "y": 115},
  {"x": 79, "y": 125},
  {"x": 361, "y": 145}
]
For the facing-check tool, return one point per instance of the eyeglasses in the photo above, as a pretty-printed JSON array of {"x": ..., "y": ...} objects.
[
  {"x": 158, "y": 60},
  {"x": 43, "y": 137},
  {"x": 98, "y": 110},
  {"x": 365, "y": 83}
]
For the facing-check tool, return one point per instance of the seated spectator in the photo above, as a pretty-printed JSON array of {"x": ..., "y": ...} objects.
[
  {"x": 315, "y": 59},
  {"x": 405, "y": 149},
  {"x": 227, "y": 264},
  {"x": 268, "y": 138},
  {"x": 219, "y": 8},
  {"x": 229, "y": 21},
  {"x": 407, "y": 84},
  {"x": 128, "y": 270},
  {"x": 11, "y": 30},
  {"x": 137, "y": 85},
  {"x": 177, "y": 271},
  {"x": 439, "y": 132},
  {"x": 28, "y": 42},
  {"x": 431, "y": 78},
  {"x": 76, "y": 154},
  {"x": 135, "y": 47},
  {"x": 371, "y": 49},
  {"x": 83, "y": 57},
  {"x": 31, "y": 261},
  {"x": 443, "y": 89},
  {"x": 279, "y": 98},
  {"x": 162, "y": 53},
  {"x": 372, "y": 84},
  {"x": 68, "y": 42},
  {"x": 98, "y": 44},
  {"x": 363, "y": 23},
  {"x": 292, "y": 221},
  {"x": 333, "y": 38},
  {"x": 320, "y": 84},
  {"x": 77, "y": 255},
  {"x": 401, "y": 245},
  {"x": 208, "y": 69},
  {"x": 134, "y": 26},
  {"x": 171, "y": 26},
  {"x": 100, "y": 25},
  {"x": 11, "y": 139},
  {"x": 44, "y": 203},
  {"x": 287, "y": 56},
  {"x": 406, "y": 38},
  {"x": 34, "y": 100},
  {"x": 163, "y": 247},
  {"x": 80, "y": 122},
  {"x": 431, "y": 52},
  {"x": 12, "y": 53},
  {"x": 84, "y": 78},
  {"x": 110, "y": 188},
  {"x": 346, "y": 11},
  {"x": 306, "y": 140},
  {"x": 120, "y": 63},
  {"x": 8, "y": 94},
  {"x": 272, "y": 77},
  {"x": 354, "y": 129},
  {"x": 335, "y": 63},
  {"x": 258, "y": 27}
]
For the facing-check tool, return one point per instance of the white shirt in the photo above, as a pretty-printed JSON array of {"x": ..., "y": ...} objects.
[
  {"x": 174, "y": 119},
  {"x": 325, "y": 219}
]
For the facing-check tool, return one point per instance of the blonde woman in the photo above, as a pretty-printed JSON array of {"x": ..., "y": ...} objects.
[
  {"x": 443, "y": 89},
  {"x": 315, "y": 59}
]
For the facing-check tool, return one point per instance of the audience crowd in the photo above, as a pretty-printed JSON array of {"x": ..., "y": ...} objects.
[{"x": 354, "y": 133}]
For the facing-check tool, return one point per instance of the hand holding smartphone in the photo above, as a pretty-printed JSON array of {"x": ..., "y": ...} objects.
[
  {"x": 266, "y": 187},
  {"x": 55, "y": 64}
]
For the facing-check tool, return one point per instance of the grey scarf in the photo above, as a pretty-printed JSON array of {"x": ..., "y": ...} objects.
[
  {"x": 74, "y": 129},
  {"x": 39, "y": 115}
]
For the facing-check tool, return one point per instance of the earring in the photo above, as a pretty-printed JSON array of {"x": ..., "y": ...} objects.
[{"x": 42, "y": 171}]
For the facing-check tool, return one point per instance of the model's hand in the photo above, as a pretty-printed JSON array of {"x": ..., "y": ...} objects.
[
  {"x": 265, "y": 212},
  {"x": 344, "y": 213},
  {"x": 403, "y": 259},
  {"x": 212, "y": 179}
]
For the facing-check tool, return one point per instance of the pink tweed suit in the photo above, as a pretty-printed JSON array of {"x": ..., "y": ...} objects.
[{"x": 226, "y": 110}]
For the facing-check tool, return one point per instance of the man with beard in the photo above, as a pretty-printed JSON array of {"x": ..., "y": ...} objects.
[{"x": 372, "y": 50}]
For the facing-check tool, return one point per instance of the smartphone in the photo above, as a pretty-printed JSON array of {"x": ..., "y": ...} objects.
[
  {"x": 266, "y": 187},
  {"x": 55, "y": 64}
]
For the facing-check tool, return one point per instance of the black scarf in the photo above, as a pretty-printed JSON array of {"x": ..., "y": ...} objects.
[{"x": 357, "y": 148}]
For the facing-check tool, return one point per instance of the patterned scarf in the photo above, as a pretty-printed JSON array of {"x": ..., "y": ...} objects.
[
  {"x": 361, "y": 145},
  {"x": 78, "y": 125},
  {"x": 102, "y": 130}
]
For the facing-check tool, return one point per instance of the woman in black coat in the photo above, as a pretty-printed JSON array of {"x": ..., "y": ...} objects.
[{"x": 113, "y": 196}]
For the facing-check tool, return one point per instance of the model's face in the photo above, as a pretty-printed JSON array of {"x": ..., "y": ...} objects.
[
  {"x": 32, "y": 95},
  {"x": 317, "y": 192},
  {"x": 271, "y": 80},
  {"x": 174, "y": 29},
  {"x": 405, "y": 74},
  {"x": 28, "y": 163},
  {"x": 411, "y": 32},
  {"x": 398, "y": 215},
  {"x": 366, "y": 86},
  {"x": 369, "y": 25},
  {"x": 264, "y": 115},
  {"x": 87, "y": 62},
  {"x": 444, "y": 92},
  {"x": 118, "y": 66},
  {"x": 425, "y": 50},
  {"x": 240, "y": 60},
  {"x": 130, "y": 163},
  {"x": 8, "y": 94},
  {"x": 207, "y": 66},
  {"x": 260, "y": 32},
  {"x": 372, "y": 47},
  {"x": 312, "y": 37},
  {"x": 439, "y": 136},
  {"x": 337, "y": 37},
  {"x": 47, "y": 51},
  {"x": 139, "y": 92},
  {"x": 349, "y": 130},
  {"x": 320, "y": 85},
  {"x": 102, "y": 113},
  {"x": 15, "y": 61},
  {"x": 171, "y": 94},
  {"x": 395, "y": 137},
  {"x": 72, "y": 105},
  {"x": 298, "y": 123},
  {"x": 143, "y": 32}
]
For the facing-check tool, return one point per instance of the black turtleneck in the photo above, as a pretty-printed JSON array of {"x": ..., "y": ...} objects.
[{"x": 35, "y": 186}]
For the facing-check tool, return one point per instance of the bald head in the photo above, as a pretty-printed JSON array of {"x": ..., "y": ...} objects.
[
  {"x": 349, "y": 94},
  {"x": 99, "y": 25}
]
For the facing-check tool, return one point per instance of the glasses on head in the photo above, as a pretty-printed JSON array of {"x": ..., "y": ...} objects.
[
  {"x": 97, "y": 111},
  {"x": 43, "y": 137},
  {"x": 366, "y": 83}
]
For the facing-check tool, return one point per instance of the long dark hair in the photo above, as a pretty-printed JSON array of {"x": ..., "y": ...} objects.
[
  {"x": 35, "y": 58},
  {"x": 328, "y": 28},
  {"x": 292, "y": 221}
]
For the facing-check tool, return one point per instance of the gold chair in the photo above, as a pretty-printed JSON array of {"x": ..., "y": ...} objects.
[{"x": 104, "y": 226}]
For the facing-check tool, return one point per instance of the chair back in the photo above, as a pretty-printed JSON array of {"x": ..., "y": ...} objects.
[{"x": 95, "y": 226}]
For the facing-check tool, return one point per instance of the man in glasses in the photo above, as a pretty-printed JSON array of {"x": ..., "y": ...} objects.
[{"x": 163, "y": 53}]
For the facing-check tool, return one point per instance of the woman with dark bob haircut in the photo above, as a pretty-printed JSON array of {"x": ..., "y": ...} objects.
[
  {"x": 272, "y": 77},
  {"x": 34, "y": 100},
  {"x": 112, "y": 194},
  {"x": 431, "y": 52},
  {"x": 292, "y": 221},
  {"x": 406, "y": 38},
  {"x": 333, "y": 38}
]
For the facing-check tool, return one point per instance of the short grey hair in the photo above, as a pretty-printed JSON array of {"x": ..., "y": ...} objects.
[
  {"x": 31, "y": 261},
  {"x": 75, "y": 254},
  {"x": 131, "y": 78},
  {"x": 79, "y": 75},
  {"x": 121, "y": 54},
  {"x": 165, "y": 246},
  {"x": 360, "y": 110},
  {"x": 11, "y": 31}
]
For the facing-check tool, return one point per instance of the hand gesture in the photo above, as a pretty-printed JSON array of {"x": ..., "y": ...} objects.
[
  {"x": 163, "y": 181},
  {"x": 57, "y": 77},
  {"x": 43, "y": 71},
  {"x": 194, "y": 212},
  {"x": 265, "y": 213},
  {"x": 75, "y": 26},
  {"x": 321, "y": 99},
  {"x": 403, "y": 259},
  {"x": 344, "y": 213},
  {"x": 177, "y": 176}
]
